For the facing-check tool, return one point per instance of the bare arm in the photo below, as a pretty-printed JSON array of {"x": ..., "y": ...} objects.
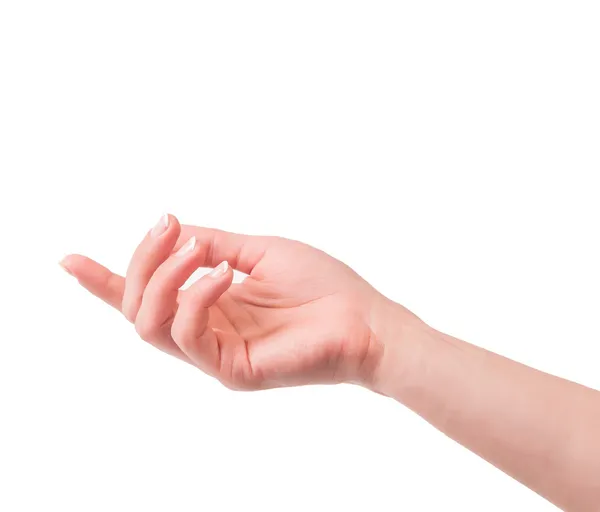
[
  {"x": 540, "y": 429},
  {"x": 301, "y": 317}
]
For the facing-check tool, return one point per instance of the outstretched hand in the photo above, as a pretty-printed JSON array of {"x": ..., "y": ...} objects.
[
  {"x": 300, "y": 317},
  {"x": 303, "y": 317}
]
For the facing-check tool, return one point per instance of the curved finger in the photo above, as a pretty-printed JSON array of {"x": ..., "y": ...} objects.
[
  {"x": 159, "y": 301},
  {"x": 96, "y": 278},
  {"x": 243, "y": 252},
  {"x": 154, "y": 249},
  {"x": 189, "y": 330}
]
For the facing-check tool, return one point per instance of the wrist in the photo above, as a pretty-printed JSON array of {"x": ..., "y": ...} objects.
[{"x": 402, "y": 342}]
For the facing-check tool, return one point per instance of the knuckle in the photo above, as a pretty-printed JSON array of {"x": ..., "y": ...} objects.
[
  {"x": 237, "y": 385},
  {"x": 129, "y": 311},
  {"x": 146, "y": 330},
  {"x": 231, "y": 385},
  {"x": 178, "y": 335},
  {"x": 183, "y": 336}
]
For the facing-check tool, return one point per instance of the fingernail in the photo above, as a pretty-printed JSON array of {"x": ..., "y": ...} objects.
[
  {"x": 187, "y": 247},
  {"x": 161, "y": 226},
  {"x": 220, "y": 270},
  {"x": 64, "y": 267}
]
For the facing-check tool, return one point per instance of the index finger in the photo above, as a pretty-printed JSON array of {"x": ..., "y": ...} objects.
[{"x": 96, "y": 278}]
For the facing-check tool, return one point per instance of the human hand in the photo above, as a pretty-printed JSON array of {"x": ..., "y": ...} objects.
[
  {"x": 300, "y": 317},
  {"x": 303, "y": 317}
]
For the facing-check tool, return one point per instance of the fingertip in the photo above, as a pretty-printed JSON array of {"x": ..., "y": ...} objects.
[
  {"x": 130, "y": 309},
  {"x": 172, "y": 220},
  {"x": 66, "y": 269},
  {"x": 221, "y": 271},
  {"x": 65, "y": 266},
  {"x": 221, "y": 277},
  {"x": 96, "y": 278},
  {"x": 72, "y": 263},
  {"x": 167, "y": 227},
  {"x": 207, "y": 290}
]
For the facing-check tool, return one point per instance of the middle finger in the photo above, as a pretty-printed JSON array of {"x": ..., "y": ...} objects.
[{"x": 154, "y": 249}]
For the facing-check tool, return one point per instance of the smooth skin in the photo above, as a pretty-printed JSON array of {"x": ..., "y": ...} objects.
[{"x": 303, "y": 317}]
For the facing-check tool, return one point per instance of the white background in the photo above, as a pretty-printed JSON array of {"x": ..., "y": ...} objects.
[{"x": 448, "y": 151}]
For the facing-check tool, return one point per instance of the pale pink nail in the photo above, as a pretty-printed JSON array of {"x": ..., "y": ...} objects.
[
  {"x": 161, "y": 226},
  {"x": 219, "y": 270},
  {"x": 64, "y": 267},
  {"x": 187, "y": 247}
]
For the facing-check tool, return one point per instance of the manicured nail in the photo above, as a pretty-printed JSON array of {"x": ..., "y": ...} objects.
[
  {"x": 219, "y": 270},
  {"x": 161, "y": 226},
  {"x": 187, "y": 247},
  {"x": 64, "y": 267}
]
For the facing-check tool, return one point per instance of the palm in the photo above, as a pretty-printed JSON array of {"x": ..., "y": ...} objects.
[{"x": 293, "y": 322}]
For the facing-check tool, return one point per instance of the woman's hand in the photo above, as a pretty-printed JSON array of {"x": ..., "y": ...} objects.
[
  {"x": 300, "y": 317},
  {"x": 303, "y": 317}
]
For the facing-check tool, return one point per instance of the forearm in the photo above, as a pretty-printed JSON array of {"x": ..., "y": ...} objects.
[{"x": 542, "y": 430}]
